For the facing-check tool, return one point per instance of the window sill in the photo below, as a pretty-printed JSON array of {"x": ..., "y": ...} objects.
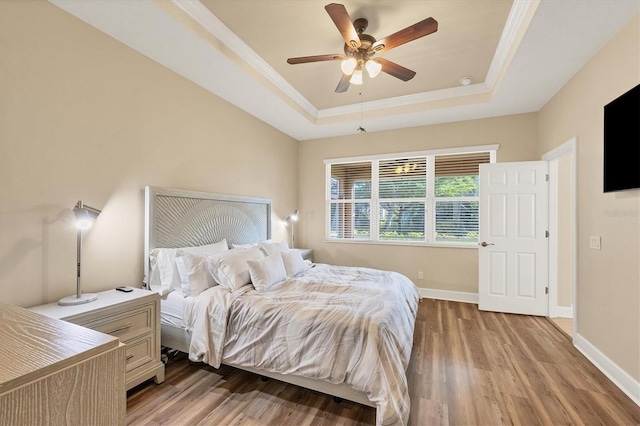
[{"x": 406, "y": 243}]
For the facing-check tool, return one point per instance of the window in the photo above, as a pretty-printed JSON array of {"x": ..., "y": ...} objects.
[{"x": 415, "y": 198}]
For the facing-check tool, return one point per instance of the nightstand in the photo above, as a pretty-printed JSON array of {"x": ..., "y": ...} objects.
[
  {"x": 307, "y": 254},
  {"x": 134, "y": 318}
]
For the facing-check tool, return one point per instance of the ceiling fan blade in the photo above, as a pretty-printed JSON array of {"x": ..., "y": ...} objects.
[
  {"x": 398, "y": 71},
  {"x": 341, "y": 18},
  {"x": 415, "y": 31},
  {"x": 317, "y": 58},
  {"x": 343, "y": 85}
]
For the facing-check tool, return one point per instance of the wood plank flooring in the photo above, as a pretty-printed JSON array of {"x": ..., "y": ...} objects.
[{"x": 467, "y": 368}]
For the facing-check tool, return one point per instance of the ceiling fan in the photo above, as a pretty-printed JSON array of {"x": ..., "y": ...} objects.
[{"x": 360, "y": 48}]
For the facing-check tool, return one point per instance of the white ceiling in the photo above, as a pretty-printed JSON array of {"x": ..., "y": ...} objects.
[{"x": 519, "y": 54}]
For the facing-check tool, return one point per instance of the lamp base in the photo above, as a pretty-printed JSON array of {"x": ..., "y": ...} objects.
[{"x": 75, "y": 300}]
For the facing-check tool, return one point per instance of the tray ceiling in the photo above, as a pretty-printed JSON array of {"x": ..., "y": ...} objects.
[{"x": 518, "y": 53}]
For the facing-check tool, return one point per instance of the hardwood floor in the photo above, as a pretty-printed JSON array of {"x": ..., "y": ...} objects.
[
  {"x": 564, "y": 324},
  {"x": 467, "y": 368}
]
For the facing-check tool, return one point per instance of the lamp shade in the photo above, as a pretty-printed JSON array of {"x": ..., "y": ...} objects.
[
  {"x": 84, "y": 215},
  {"x": 373, "y": 68},
  {"x": 356, "y": 77},
  {"x": 348, "y": 65}
]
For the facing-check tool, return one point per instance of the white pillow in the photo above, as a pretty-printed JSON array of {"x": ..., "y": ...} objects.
[
  {"x": 216, "y": 248},
  {"x": 269, "y": 247},
  {"x": 164, "y": 276},
  {"x": 266, "y": 272},
  {"x": 294, "y": 263},
  {"x": 230, "y": 268},
  {"x": 194, "y": 271},
  {"x": 244, "y": 246}
]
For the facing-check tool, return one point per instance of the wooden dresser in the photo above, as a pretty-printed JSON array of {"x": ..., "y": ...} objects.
[
  {"x": 56, "y": 373},
  {"x": 133, "y": 317}
]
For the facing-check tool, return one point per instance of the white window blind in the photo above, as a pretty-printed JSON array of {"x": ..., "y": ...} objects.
[
  {"x": 418, "y": 198},
  {"x": 350, "y": 207},
  {"x": 402, "y": 190},
  {"x": 456, "y": 196}
]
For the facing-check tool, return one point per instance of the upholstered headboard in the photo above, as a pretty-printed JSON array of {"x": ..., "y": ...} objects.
[{"x": 178, "y": 218}]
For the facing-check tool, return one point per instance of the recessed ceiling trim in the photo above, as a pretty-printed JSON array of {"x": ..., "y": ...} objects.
[
  {"x": 513, "y": 29},
  {"x": 220, "y": 31},
  {"x": 418, "y": 98},
  {"x": 212, "y": 24}
]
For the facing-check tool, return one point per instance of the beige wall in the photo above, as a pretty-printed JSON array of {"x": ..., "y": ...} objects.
[
  {"x": 84, "y": 117},
  {"x": 608, "y": 295},
  {"x": 453, "y": 269}
]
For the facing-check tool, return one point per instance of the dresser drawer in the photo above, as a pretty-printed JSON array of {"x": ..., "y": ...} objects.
[
  {"x": 139, "y": 352},
  {"x": 126, "y": 325}
]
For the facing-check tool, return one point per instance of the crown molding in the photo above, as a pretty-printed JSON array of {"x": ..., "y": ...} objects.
[
  {"x": 214, "y": 26},
  {"x": 510, "y": 34}
]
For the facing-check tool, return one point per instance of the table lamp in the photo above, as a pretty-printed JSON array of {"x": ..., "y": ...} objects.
[{"x": 84, "y": 219}]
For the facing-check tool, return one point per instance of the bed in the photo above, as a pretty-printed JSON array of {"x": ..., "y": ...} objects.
[{"x": 346, "y": 332}]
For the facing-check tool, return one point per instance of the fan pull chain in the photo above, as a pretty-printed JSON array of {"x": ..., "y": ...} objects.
[{"x": 361, "y": 129}]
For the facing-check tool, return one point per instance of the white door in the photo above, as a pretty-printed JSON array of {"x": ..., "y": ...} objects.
[{"x": 513, "y": 252}]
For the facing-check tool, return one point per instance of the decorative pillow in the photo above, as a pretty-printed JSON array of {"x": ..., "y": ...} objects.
[
  {"x": 244, "y": 246},
  {"x": 195, "y": 275},
  {"x": 230, "y": 268},
  {"x": 266, "y": 272},
  {"x": 294, "y": 264},
  {"x": 164, "y": 276},
  {"x": 269, "y": 247}
]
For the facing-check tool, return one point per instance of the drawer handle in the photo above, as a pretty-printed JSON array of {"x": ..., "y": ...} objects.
[
  {"x": 124, "y": 327},
  {"x": 129, "y": 357}
]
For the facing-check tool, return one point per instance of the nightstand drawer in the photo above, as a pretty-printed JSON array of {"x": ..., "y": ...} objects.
[
  {"x": 138, "y": 353},
  {"x": 125, "y": 326},
  {"x": 134, "y": 318}
]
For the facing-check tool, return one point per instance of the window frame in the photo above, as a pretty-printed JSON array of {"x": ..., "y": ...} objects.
[{"x": 374, "y": 202}]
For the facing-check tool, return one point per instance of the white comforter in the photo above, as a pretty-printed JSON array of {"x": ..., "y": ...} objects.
[{"x": 338, "y": 324}]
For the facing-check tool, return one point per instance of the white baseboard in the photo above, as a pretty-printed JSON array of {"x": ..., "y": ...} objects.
[
  {"x": 564, "y": 311},
  {"x": 618, "y": 376},
  {"x": 454, "y": 296}
]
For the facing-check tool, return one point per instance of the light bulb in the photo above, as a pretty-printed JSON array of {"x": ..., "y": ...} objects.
[
  {"x": 83, "y": 224},
  {"x": 348, "y": 65},
  {"x": 373, "y": 68},
  {"x": 356, "y": 78}
]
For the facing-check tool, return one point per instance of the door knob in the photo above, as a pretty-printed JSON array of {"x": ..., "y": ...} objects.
[{"x": 484, "y": 244}]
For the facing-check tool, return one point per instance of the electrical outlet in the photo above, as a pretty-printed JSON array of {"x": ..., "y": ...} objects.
[
  {"x": 420, "y": 275},
  {"x": 594, "y": 242}
]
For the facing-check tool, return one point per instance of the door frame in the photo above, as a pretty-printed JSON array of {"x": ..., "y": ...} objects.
[{"x": 570, "y": 147}]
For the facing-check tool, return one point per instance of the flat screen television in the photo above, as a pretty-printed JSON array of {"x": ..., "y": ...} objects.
[{"x": 622, "y": 142}]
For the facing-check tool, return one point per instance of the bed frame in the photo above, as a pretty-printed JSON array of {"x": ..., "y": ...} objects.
[{"x": 179, "y": 218}]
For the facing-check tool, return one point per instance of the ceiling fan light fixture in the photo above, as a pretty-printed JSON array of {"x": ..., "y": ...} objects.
[
  {"x": 373, "y": 68},
  {"x": 348, "y": 65},
  {"x": 356, "y": 77}
]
